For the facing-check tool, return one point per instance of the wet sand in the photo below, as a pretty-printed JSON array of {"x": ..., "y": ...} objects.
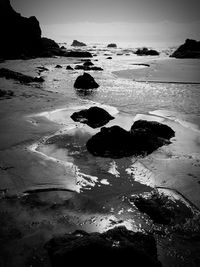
[
  {"x": 39, "y": 184},
  {"x": 168, "y": 70}
]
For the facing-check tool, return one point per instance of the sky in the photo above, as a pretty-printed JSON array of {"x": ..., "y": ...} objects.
[{"x": 128, "y": 21}]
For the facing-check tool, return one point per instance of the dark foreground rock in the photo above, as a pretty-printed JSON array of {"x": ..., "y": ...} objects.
[
  {"x": 162, "y": 209},
  {"x": 146, "y": 52},
  {"x": 112, "y": 45},
  {"x": 9, "y": 74},
  {"x": 77, "y": 43},
  {"x": 190, "y": 49},
  {"x": 115, "y": 142},
  {"x": 115, "y": 246},
  {"x": 159, "y": 129},
  {"x": 94, "y": 117},
  {"x": 85, "y": 81}
]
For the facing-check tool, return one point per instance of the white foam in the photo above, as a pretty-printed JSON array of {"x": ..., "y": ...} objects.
[
  {"x": 113, "y": 169},
  {"x": 104, "y": 181}
]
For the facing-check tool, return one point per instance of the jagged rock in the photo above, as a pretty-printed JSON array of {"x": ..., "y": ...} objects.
[
  {"x": 116, "y": 245},
  {"x": 69, "y": 67},
  {"x": 9, "y": 74},
  {"x": 141, "y": 140},
  {"x": 112, "y": 45},
  {"x": 159, "y": 129},
  {"x": 85, "y": 81},
  {"x": 77, "y": 43},
  {"x": 190, "y": 49},
  {"x": 94, "y": 117},
  {"x": 146, "y": 52}
]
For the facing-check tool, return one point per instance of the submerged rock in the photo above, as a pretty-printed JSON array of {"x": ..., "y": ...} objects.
[
  {"x": 111, "y": 247},
  {"x": 146, "y": 52},
  {"x": 9, "y": 74},
  {"x": 159, "y": 129},
  {"x": 142, "y": 139},
  {"x": 112, "y": 45},
  {"x": 94, "y": 117},
  {"x": 190, "y": 49},
  {"x": 85, "y": 81},
  {"x": 77, "y": 43}
]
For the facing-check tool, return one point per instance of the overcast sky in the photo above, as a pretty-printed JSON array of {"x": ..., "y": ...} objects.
[{"x": 103, "y": 20}]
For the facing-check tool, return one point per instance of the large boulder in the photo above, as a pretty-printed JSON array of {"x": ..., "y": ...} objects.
[
  {"x": 85, "y": 81},
  {"x": 94, "y": 117},
  {"x": 112, "y": 45},
  {"x": 141, "y": 140},
  {"x": 115, "y": 246},
  {"x": 159, "y": 129},
  {"x": 77, "y": 43},
  {"x": 146, "y": 52},
  {"x": 190, "y": 49}
]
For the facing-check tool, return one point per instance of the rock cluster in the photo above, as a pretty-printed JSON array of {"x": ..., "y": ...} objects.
[{"x": 146, "y": 52}]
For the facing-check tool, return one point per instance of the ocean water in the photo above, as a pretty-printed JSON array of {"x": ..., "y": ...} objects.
[{"x": 107, "y": 184}]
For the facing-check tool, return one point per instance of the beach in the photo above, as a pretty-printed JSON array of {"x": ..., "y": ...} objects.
[{"x": 52, "y": 185}]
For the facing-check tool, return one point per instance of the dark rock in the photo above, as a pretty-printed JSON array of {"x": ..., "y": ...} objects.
[
  {"x": 87, "y": 68},
  {"x": 190, "y": 49},
  {"x": 109, "y": 58},
  {"x": 116, "y": 245},
  {"x": 146, "y": 52},
  {"x": 94, "y": 117},
  {"x": 69, "y": 67},
  {"x": 159, "y": 129},
  {"x": 80, "y": 67},
  {"x": 41, "y": 69},
  {"x": 77, "y": 54},
  {"x": 96, "y": 68},
  {"x": 88, "y": 63},
  {"x": 63, "y": 47},
  {"x": 9, "y": 74},
  {"x": 163, "y": 209},
  {"x": 77, "y": 43},
  {"x": 115, "y": 142},
  {"x": 85, "y": 81},
  {"x": 112, "y": 45},
  {"x": 58, "y": 67},
  {"x": 25, "y": 34}
]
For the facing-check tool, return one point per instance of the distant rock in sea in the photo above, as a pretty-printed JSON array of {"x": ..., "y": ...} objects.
[
  {"x": 94, "y": 117},
  {"x": 146, "y": 52},
  {"x": 112, "y": 45},
  {"x": 85, "y": 81},
  {"x": 77, "y": 43},
  {"x": 117, "y": 245},
  {"x": 190, "y": 49}
]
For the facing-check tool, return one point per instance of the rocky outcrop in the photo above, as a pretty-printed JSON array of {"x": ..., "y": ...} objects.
[
  {"x": 141, "y": 140},
  {"x": 9, "y": 74},
  {"x": 94, "y": 117},
  {"x": 85, "y": 81},
  {"x": 115, "y": 246},
  {"x": 146, "y": 52},
  {"x": 112, "y": 45},
  {"x": 77, "y": 43},
  {"x": 190, "y": 49},
  {"x": 21, "y": 37}
]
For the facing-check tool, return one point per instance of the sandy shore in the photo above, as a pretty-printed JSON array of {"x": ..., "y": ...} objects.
[{"x": 167, "y": 70}]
